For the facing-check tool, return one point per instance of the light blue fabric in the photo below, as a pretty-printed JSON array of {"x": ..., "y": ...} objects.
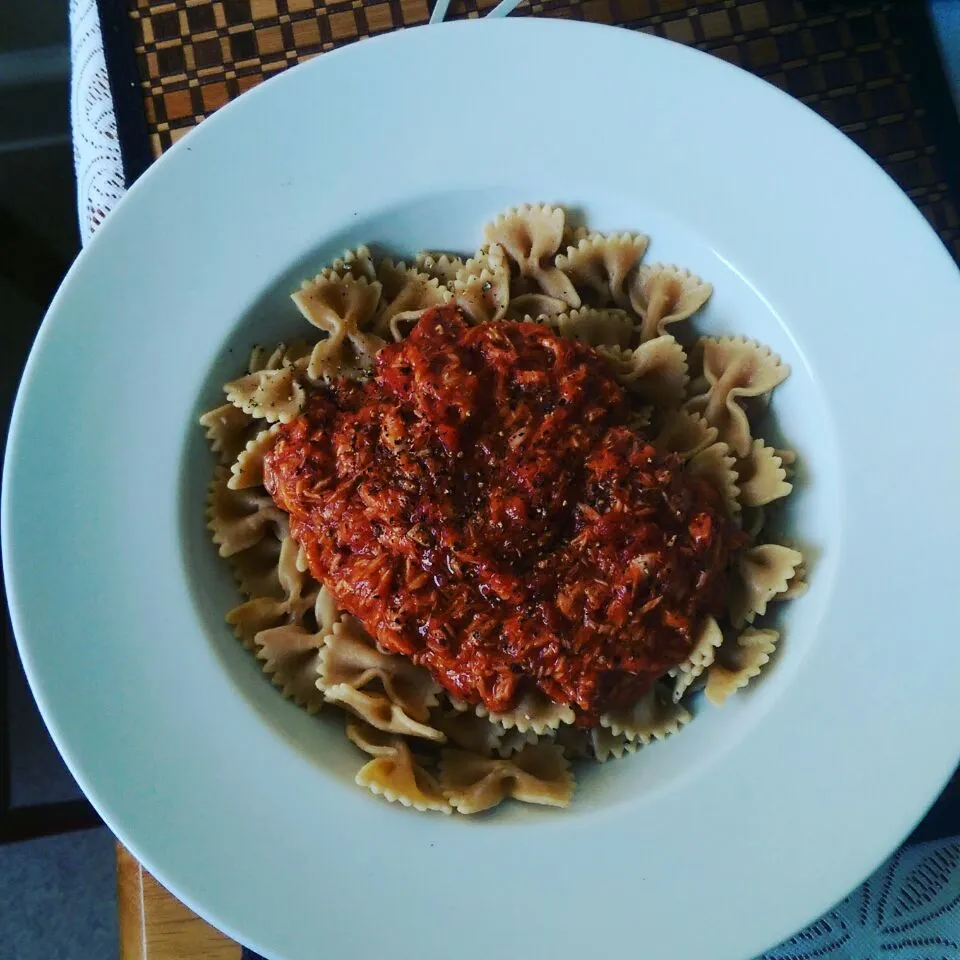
[
  {"x": 908, "y": 910},
  {"x": 945, "y": 15}
]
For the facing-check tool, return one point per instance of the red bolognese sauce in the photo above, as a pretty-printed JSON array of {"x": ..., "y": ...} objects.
[{"x": 481, "y": 507}]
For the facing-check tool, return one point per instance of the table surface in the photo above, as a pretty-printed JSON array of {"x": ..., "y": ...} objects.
[{"x": 154, "y": 925}]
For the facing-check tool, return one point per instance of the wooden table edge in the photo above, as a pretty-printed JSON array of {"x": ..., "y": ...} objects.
[{"x": 154, "y": 925}]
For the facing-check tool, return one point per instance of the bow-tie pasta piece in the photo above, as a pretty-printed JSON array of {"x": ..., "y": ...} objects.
[
  {"x": 534, "y": 266},
  {"x": 686, "y": 434},
  {"x": 257, "y": 614},
  {"x": 796, "y": 585},
  {"x": 513, "y": 741},
  {"x": 604, "y": 744},
  {"x": 326, "y": 613},
  {"x": 295, "y": 594},
  {"x": 477, "y": 734},
  {"x": 441, "y": 266},
  {"x": 788, "y": 459},
  {"x": 256, "y": 568},
  {"x": 393, "y": 773},
  {"x": 270, "y": 394},
  {"x": 656, "y": 371},
  {"x": 378, "y": 710},
  {"x": 345, "y": 309},
  {"x": 468, "y": 730},
  {"x": 662, "y": 294},
  {"x": 491, "y": 260},
  {"x": 655, "y": 716},
  {"x": 351, "y": 658},
  {"x": 405, "y": 289},
  {"x": 534, "y": 712},
  {"x": 283, "y": 355},
  {"x": 247, "y": 470},
  {"x": 761, "y": 476},
  {"x": 735, "y": 369},
  {"x": 535, "y": 307},
  {"x": 239, "y": 519},
  {"x": 356, "y": 264},
  {"x": 763, "y": 572},
  {"x": 607, "y": 328},
  {"x": 715, "y": 465},
  {"x": 739, "y": 662},
  {"x": 259, "y": 358},
  {"x": 286, "y": 598},
  {"x": 482, "y": 287},
  {"x": 531, "y": 237},
  {"x": 482, "y": 298},
  {"x": 263, "y": 359},
  {"x": 228, "y": 429},
  {"x": 600, "y": 266},
  {"x": 539, "y": 773},
  {"x": 709, "y": 639},
  {"x": 291, "y": 657}
]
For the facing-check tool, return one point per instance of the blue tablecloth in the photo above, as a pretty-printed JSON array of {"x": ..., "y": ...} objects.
[{"x": 945, "y": 15}]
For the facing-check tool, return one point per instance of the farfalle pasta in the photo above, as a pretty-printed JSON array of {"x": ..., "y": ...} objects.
[
  {"x": 531, "y": 237},
  {"x": 394, "y": 773},
  {"x": 482, "y": 287},
  {"x": 247, "y": 468},
  {"x": 739, "y": 662},
  {"x": 269, "y": 394},
  {"x": 351, "y": 657},
  {"x": 662, "y": 294},
  {"x": 702, "y": 656},
  {"x": 735, "y": 369},
  {"x": 763, "y": 572},
  {"x": 602, "y": 268},
  {"x": 685, "y": 434},
  {"x": 655, "y": 372},
  {"x": 604, "y": 745},
  {"x": 605, "y": 327},
  {"x": 239, "y": 519},
  {"x": 338, "y": 621},
  {"x": 285, "y": 599},
  {"x": 440, "y": 266},
  {"x": 716, "y": 464},
  {"x": 533, "y": 712},
  {"x": 762, "y": 476},
  {"x": 228, "y": 429},
  {"x": 655, "y": 716},
  {"x": 539, "y": 773},
  {"x": 345, "y": 309},
  {"x": 405, "y": 289},
  {"x": 288, "y": 635}
]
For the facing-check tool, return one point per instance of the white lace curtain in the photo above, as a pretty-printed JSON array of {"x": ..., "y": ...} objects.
[{"x": 96, "y": 149}]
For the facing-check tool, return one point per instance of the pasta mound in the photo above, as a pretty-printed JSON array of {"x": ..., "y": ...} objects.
[{"x": 504, "y": 514}]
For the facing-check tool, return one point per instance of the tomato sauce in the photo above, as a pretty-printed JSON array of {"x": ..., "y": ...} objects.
[{"x": 481, "y": 507}]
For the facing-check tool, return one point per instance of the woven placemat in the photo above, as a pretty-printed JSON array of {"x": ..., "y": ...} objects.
[{"x": 869, "y": 68}]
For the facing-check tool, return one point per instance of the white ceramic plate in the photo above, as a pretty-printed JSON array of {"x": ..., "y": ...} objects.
[{"x": 715, "y": 844}]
